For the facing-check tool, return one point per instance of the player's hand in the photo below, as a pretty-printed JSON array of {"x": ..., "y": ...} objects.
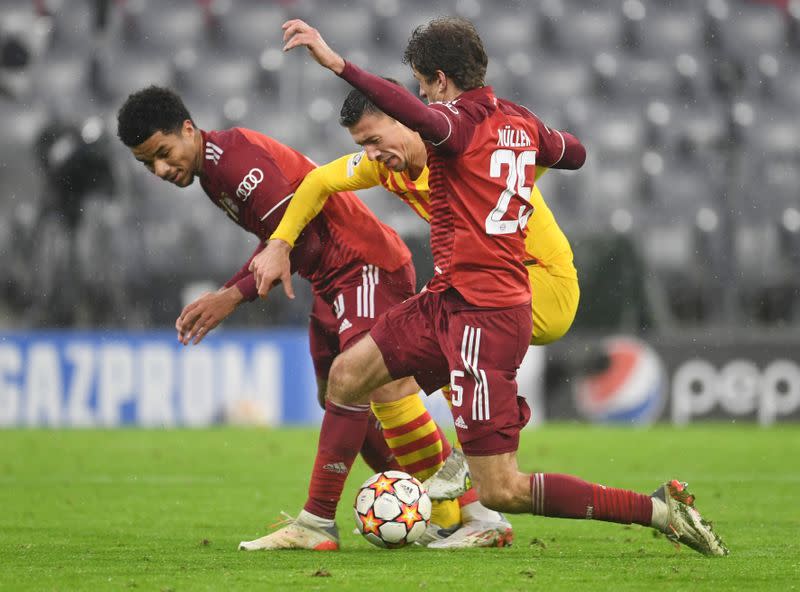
[
  {"x": 297, "y": 33},
  {"x": 271, "y": 266},
  {"x": 204, "y": 314}
]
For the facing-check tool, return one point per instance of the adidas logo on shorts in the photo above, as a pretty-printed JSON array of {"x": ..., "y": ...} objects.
[
  {"x": 344, "y": 326},
  {"x": 460, "y": 423}
]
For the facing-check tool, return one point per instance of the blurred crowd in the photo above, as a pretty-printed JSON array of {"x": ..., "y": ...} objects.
[{"x": 687, "y": 213}]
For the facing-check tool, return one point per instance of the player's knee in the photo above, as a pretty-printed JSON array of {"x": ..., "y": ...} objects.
[{"x": 341, "y": 381}]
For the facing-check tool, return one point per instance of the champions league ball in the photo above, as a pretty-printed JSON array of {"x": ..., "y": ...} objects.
[
  {"x": 632, "y": 389},
  {"x": 392, "y": 509}
]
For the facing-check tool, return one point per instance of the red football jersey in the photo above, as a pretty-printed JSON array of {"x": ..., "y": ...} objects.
[
  {"x": 252, "y": 178},
  {"x": 485, "y": 169}
]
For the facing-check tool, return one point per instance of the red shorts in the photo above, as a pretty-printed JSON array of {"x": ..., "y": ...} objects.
[
  {"x": 439, "y": 338},
  {"x": 335, "y": 326}
]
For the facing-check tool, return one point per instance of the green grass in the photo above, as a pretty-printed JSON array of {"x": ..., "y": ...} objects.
[{"x": 164, "y": 510}]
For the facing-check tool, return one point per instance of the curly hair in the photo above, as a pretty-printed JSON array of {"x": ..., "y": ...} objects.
[
  {"x": 449, "y": 44},
  {"x": 148, "y": 111},
  {"x": 356, "y": 105}
]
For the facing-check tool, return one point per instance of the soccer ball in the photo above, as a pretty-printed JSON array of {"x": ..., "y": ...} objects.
[{"x": 392, "y": 509}]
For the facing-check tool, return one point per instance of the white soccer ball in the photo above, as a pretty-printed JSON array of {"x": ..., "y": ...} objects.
[{"x": 392, "y": 509}]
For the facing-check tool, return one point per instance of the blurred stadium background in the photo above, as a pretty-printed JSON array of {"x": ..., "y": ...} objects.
[{"x": 685, "y": 220}]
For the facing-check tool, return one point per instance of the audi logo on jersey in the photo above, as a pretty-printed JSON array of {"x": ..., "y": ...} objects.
[{"x": 249, "y": 183}]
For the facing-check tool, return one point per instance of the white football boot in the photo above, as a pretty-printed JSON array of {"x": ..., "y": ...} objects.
[
  {"x": 684, "y": 523},
  {"x": 451, "y": 480},
  {"x": 295, "y": 533},
  {"x": 434, "y": 533},
  {"x": 478, "y": 533}
]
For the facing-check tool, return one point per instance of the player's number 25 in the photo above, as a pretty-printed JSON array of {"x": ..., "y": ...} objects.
[{"x": 515, "y": 184}]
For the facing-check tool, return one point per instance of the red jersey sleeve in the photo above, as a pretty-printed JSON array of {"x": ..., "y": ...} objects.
[
  {"x": 558, "y": 149},
  {"x": 244, "y": 278},
  {"x": 460, "y": 126}
]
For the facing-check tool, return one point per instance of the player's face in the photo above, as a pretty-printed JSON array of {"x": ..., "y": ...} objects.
[
  {"x": 172, "y": 156},
  {"x": 428, "y": 90},
  {"x": 382, "y": 139}
]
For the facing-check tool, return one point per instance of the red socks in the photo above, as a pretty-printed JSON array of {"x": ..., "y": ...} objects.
[
  {"x": 375, "y": 451},
  {"x": 340, "y": 439},
  {"x": 564, "y": 496}
]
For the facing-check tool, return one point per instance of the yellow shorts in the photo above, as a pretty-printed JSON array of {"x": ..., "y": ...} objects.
[{"x": 554, "y": 303}]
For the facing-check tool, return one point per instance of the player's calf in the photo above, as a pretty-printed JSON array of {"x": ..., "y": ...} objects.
[{"x": 500, "y": 486}]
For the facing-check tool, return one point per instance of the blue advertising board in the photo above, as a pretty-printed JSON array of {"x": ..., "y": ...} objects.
[{"x": 128, "y": 378}]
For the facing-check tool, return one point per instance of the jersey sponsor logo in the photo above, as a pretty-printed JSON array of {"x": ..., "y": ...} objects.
[
  {"x": 213, "y": 152},
  {"x": 460, "y": 423},
  {"x": 352, "y": 163},
  {"x": 249, "y": 183},
  {"x": 345, "y": 326},
  {"x": 509, "y": 137}
]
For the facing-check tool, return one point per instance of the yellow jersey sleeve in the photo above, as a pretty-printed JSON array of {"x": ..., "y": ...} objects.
[{"x": 348, "y": 173}]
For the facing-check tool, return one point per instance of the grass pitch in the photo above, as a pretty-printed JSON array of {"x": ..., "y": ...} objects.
[{"x": 165, "y": 510}]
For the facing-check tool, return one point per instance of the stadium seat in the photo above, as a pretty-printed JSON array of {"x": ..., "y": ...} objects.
[
  {"x": 699, "y": 128},
  {"x": 787, "y": 86},
  {"x": 668, "y": 31},
  {"x": 615, "y": 131},
  {"x": 215, "y": 75},
  {"x": 73, "y": 30},
  {"x": 686, "y": 235},
  {"x": 611, "y": 196},
  {"x": 124, "y": 73},
  {"x": 579, "y": 28},
  {"x": 752, "y": 28},
  {"x": 247, "y": 27},
  {"x": 773, "y": 135},
  {"x": 155, "y": 25},
  {"x": 21, "y": 124},
  {"x": 394, "y": 31},
  {"x": 555, "y": 79},
  {"x": 638, "y": 78},
  {"x": 507, "y": 32},
  {"x": 57, "y": 76}
]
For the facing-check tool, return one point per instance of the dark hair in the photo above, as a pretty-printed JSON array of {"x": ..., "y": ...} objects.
[
  {"x": 449, "y": 44},
  {"x": 148, "y": 111},
  {"x": 356, "y": 105}
]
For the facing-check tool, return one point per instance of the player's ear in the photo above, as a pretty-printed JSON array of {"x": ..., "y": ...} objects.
[
  {"x": 188, "y": 128},
  {"x": 442, "y": 81}
]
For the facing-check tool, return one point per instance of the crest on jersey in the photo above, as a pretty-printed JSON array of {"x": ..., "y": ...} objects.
[{"x": 231, "y": 207}]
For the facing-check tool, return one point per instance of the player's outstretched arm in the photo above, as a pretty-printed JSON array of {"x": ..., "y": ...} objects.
[
  {"x": 203, "y": 315},
  {"x": 392, "y": 99},
  {"x": 297, "y": 33}
]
